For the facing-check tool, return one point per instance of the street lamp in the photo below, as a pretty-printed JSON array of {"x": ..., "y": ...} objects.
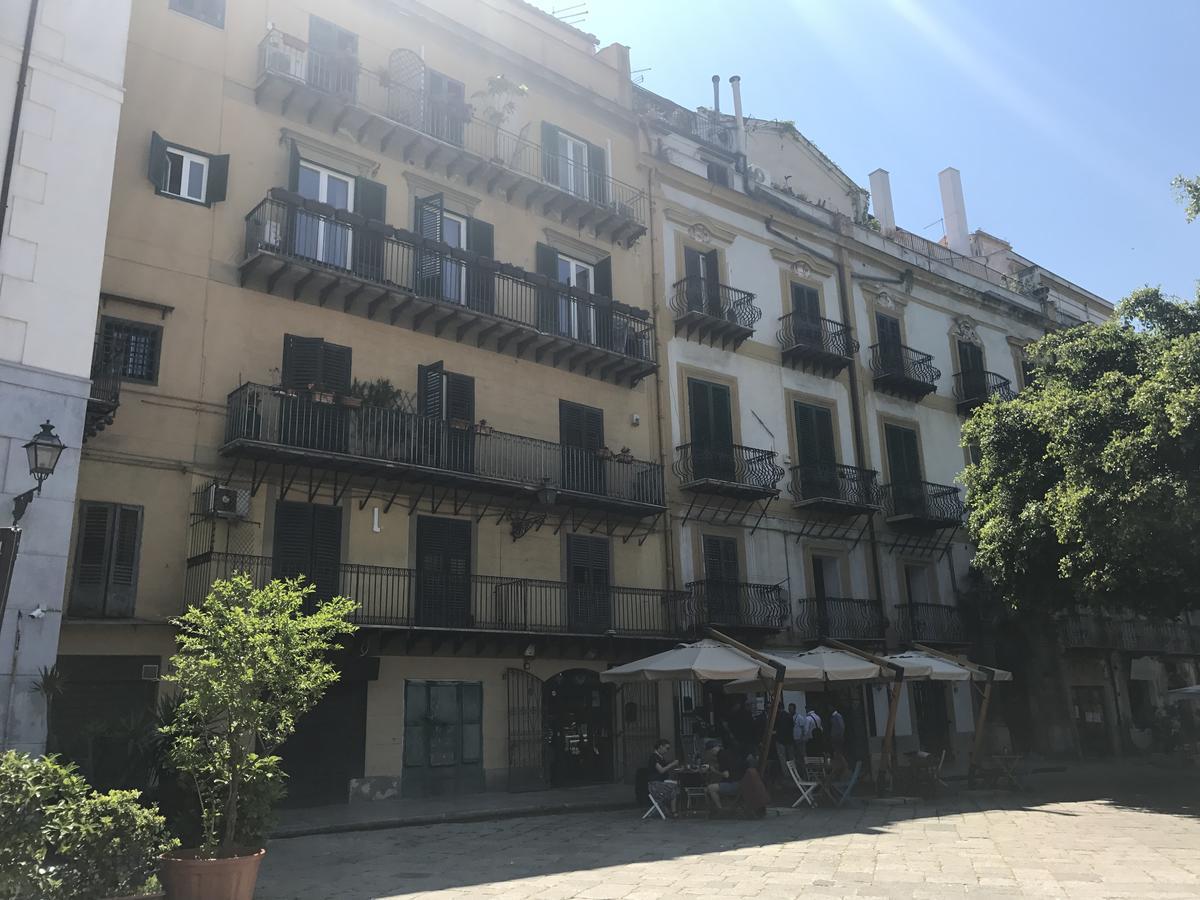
[{"x": 43, "y": 451}]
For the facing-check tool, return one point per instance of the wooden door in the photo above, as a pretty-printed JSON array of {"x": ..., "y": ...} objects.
[
  {"x": 816, "y": 451},
  {"x": 970, "y": 366},
  {"x": 589, "y": 598},
  {"x": 887, "y": 329},
  {"x": 806, "y": 314},
  {"x": 904, "y": 470},
  {"x": 443, "y": 572},
  {"x": 527, "y": 762},
  {"x": 721, "y": 576},
  {"x": 581, "y": 435},
  {"x": 308, "y": 542},
  {"x": 711, "y": 416},
  {"x": 443, "y": 738}
]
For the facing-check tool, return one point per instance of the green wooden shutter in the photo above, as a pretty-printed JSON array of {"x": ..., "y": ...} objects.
[
  {"x": 546, "y": 259},
  {"x": 481, "y": 237},
  {"x": 370, "y": 199},
  {"x": 481, "y": 283},
  {"x": 292, "y": 541},
  {"x": 806, "y": 302},
  {"x": 460, "y": 397},
  {"x": 301, "y": 361},
  {"x": 293, "y": 167},
  {"x": 580, "y": 426},
  {"x": 904, "y": 461},
  {"x": 157, "y": 171},
  {"x": 597, "y": 175},
  {"x": 218, "y": 178},
  {"x": 123, "y": 572},
  {"x": 806, "y": 434},
  {"x": 603, "y": 277},
  {"x": 336, "y": 368},
  {"x": 970, "y": 357},
  {"x": 720, "y": 559},
  {"x": 888, "y": 329},
  {"x": 826, "y": 454},
  {"x": 431, "y": 390},
  {"x": 550, "y": 158},
  {"x": 91, "y": 559},
  {"x": 326, "y": 550}
]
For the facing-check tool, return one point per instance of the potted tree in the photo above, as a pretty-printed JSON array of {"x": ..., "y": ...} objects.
[
  {"x": 250, "y": 662},
  {"x": 500, "y": 102}
]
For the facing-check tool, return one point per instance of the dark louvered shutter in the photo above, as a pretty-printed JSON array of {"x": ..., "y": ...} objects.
[
  {"x": 431, "y": 390},
  {"x": 122, "y": 579},
  {"x": 550, "y": 159},
  {"x": 712, "y": 282},
  {"x": 293, "y": 167},
  {"x": 597, "y": 175},
  {"x": 370, "y": 199},
  {"x": 806, "y": 303},
  {"x": 580, "y": 426},
  {"x": 888, "y": 329},
  {"x": 91, "y": 559},
  {"x": 720, "y": 559},
  {"x": 429, "y": 218},
  {"x": 336, "y": 368},
  {"x": 904, "y": 460},
  {"x": 814, "y": 435},
  {"x": 326, "y": 550},
  {"x": 157, "y": 171},
  {"x": 546, "y": 259},
  {"x": 460, "y": 397},
  {"x": 293, "y": 534},
  {"x": 587, "y": 574},
  {"x": 481, "y": 237},
  {"x": 218, "y": 178},
  {"x": 693, "y": 271},
  {"x": 603, "y": 276},
  {"x": 301, "y": 361},
  {"x": 481, "y": 282}
]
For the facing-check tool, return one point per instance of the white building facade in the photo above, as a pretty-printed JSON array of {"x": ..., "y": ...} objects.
[{"x": 51, "y": 253}]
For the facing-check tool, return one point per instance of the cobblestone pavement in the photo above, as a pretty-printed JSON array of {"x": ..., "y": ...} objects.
[{"x": 1144, "y": 846}]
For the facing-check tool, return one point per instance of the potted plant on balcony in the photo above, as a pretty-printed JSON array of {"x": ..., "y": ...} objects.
[
  {"x": 377, "y": 430},
  {"x": 250, "y": 663},
  {"x": 625, "y": 455},
  {"x": 500, "y": 102},
  {"x": 604, "y": 453}
]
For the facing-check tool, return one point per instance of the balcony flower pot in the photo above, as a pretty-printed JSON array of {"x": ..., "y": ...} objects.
[
  {"x": 188, "y": 876},
  {"x": 625, "y": 456}
]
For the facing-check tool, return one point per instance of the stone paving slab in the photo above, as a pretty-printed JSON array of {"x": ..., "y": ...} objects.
[{"x": 1146, "y": 844}]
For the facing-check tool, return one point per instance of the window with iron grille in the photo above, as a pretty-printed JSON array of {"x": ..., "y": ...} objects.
[
  {"x": 138, "y": 343},
  {"x": 210, "y": 11}
]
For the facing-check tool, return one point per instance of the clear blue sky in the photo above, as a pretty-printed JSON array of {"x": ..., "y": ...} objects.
[{"x": 1067, "y": 119}]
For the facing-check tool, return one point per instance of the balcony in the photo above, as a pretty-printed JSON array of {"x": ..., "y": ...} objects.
[
  {"x": 841, "y": 618},
  {"x": 104, "y": 396},
  {"x": 921, "y": 504},
  {"x": 389, "y": 110},
  {"x": 390, "y": 597},
  {"x": 738, "y": 605},
  {"x": 713, "y": 312},
  {"x": 931, "y": 623},
  {"x": 835, "y": 488},
  {"x": 903, "y": 371},
  {"x": 272, "y": 425},
  {"x": 301, "y": 249},
  {"x": 973, "y": 389},
  {"x": 744, "y": 473},
  {"x": 710, "y": 130},
  {"x": 1098, "y": 632},
  {"x": 818, "y": 345}
]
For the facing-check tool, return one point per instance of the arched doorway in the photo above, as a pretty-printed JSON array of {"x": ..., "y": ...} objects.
[{"x": 579, "y": 720}]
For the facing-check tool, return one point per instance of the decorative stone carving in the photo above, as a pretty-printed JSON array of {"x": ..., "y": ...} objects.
[
  {"x": 964, "y": 330},
  {"x": 884, "y": 300},
  {"x": 700, "y": 234},
  {"x": 801, "y": 269}
]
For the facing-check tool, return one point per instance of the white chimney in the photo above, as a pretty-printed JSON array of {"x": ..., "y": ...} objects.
[
  {"x": 716, "y": 80},
  {"x": 881, "y": 200},
  {"x": 954, "y": 210},
  {"x": 735, "y": 82}
]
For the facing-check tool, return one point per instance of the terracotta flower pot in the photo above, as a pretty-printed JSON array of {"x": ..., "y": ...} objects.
[{"x": 186, "y": 876}]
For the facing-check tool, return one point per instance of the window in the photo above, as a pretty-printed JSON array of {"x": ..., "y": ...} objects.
[
  {"x": 917, "y": 585},
  {"x": 574, "y": 165},
  {"x": 827, "y": 577},
  {"x": 187, "y": 174},
  {"x": 317, "y": 237},
  {"x": 315, "y": 364},
  {"x": 718, "y": 173},
  {"x": 138, "y": 343},
  {"x": 560, "y": 313},
  {"x": 209, "y": 11},
  {"x": 108, "y": 541}
]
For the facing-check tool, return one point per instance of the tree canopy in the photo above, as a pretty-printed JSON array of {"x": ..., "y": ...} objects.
[
  {"x": 1188, "y": 192},
  {"x": 1087, "y": 487}
]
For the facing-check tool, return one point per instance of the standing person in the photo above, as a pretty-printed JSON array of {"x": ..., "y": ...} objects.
[
  {"x": 815, "y": 737},
  {"x": 837, "y": 731}
]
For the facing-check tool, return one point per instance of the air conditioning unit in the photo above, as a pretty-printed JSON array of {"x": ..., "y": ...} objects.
[
  {"x": 759, "y": 175},
  {"x": 150, "y": 673},
  {"x": 228, "y": 503}
]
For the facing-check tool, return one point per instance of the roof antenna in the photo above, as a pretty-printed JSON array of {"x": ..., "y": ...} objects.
[{"x": 573, "y": 14}]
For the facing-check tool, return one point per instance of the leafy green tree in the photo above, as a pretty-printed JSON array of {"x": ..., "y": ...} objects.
[
  {"x": 1087, "y": 488},
  {"x": 250, "y": 663},
  {"x": 1188, "y": 192}
]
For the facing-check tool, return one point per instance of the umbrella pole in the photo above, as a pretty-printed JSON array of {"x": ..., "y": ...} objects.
[
  {"x": 769, "y": 727},
  {"x": 780, "y": 677},
  {"x": 978, "y": 745}
]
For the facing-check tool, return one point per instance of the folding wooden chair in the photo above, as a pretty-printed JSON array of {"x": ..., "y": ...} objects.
[
  {"x": 654, "y": 808},
  {"x": 937, "y": 771},
  {"x": 843, "y": 789},
  {"x": 805, "y": 787}
]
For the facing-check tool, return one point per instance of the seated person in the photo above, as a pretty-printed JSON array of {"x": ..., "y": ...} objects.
[
  {"x": 728, "y": 776},
  {"x": 666, "y": 793}
]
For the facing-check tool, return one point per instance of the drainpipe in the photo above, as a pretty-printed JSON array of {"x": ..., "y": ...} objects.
[{"x": 10, "y": 155}]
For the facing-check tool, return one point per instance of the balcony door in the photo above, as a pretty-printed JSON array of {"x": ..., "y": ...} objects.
[
  {"x": 703, "y": 286},
  {"x": 319, "y": 238},
  {"x": 445, "y": 107},
  {"x": 815, "y": 452},
  {"x": 308, "y": 542},
  {"x": 589, "y": 597},
  {"x": 446, "y": 402},
  {"x": 443, "y": 573},
  {"x": 710, "y": 410},
  {"x": 581, "y": 435},
  {"x": 722, "y": 579},
  {"x": 332, "y": 59},
  {"x": 827, "y": 584},
  {"x": 887, "y": 329},
  {"x": 970, "y": 366},
  {"x": 806, "y": 315},
  {"x": 904, "y": 470}
]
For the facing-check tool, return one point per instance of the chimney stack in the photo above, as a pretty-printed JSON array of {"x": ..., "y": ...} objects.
[
  {"x": 735, "y": 82},
  {"x": 954, "y": 211},
  {"x": 881, "y": 200},
  {"x": 716, "y": 80}
]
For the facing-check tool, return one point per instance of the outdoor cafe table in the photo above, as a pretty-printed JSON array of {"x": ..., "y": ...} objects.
[{"x": 693, "y": 783}]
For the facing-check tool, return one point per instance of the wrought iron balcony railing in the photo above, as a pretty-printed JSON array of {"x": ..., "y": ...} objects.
[
  {"x": 817, "y": 343},
  {"x": 739, "y": 604},
  {"x": 831, "y": 486},
  {"x": 403, "y": 102},
  {"x": 921, "y": 502},
  {"x": 904, "y": 371},
  {"x": 841, "y": 618},
  {"x": 732, "y": 469},
  {"x": 104, "y": 395},
  {"x": 325, "y": 250},
  {"x": 713, "y": 311},
  {"x": 261, "y": 417},
  {"x": 409, "y": 598},
  {"x": 974, "y": 388},
  {"x": 708, "y": 129},
  {"x": 1094, "y": 631},
  {"x": 931, "y": 623}
]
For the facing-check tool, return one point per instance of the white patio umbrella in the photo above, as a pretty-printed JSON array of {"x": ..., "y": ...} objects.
[
  {"x": 816, "y": 668},
  {"x": 702, "y": 661},
  {"x": 1185, "y": 693},
  {"x": 938, "y": 669}
]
